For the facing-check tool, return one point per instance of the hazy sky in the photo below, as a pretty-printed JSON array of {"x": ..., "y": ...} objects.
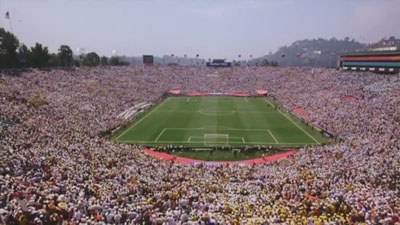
[{"x": 211, "y": 28}]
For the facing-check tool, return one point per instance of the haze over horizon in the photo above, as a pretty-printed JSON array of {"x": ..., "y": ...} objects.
[{"x": 213, "y": 29}]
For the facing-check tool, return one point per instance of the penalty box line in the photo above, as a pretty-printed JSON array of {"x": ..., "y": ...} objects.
[
  {"x": 202, "y": 128},
  {"x": 161, "y": 133},
  {"x": 273, "y": 137},
  {"x": 205, "y": 128},
  {"x": 202, "y": 137},
  {"x": 232, "y": 137}
]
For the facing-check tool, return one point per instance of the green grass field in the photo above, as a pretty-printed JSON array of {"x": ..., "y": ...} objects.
[{"x": 218, "y": 121}]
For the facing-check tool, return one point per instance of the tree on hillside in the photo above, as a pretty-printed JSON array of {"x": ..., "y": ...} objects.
[
  {"x": 39, "y": 56},
  {"x": 116, "y": 61},
  {"x": 265, "y": 62},
  {"x": 8, "y": 50},
  {"x": 53, "y": 60},
  {"x": 91, "y": 59},
  {"x": 65, "y": 56},
  {"x": 104, "y": 61},
  {"x": 23, "y": 54},
  {"x": 273, "y": 63},
  {"x": 76, "y": 63}
]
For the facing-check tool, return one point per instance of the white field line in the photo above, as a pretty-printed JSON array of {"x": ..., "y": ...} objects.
[
  {"x": 202, "y": 128},
  {"x": 217, "y": 113},
  {"x": 169, "y": 128},
  {"x": 270, "y": 133},
  {"x": 234, "y": 111},
  {"x": 187, "y": 100},
  {"x": 246, "y": 99},
  {"x": 158, "y": 137},
  {"x": 202, "y": 138},
  {"x": 236, "y": 137},
  {"x": 236, "y": 142},
  {"x": 196, "y": 137},
  {"x": 287, "y": 117},
  {"x": 147, "y": 115},
  {"x": 269, "y": 102}
]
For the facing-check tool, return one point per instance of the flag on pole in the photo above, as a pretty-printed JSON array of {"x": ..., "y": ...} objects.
[{"x": 7, "y": 15}]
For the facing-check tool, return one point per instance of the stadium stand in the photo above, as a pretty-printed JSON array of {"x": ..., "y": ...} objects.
[
  {"x": 376, "y": 61},
  {"x": 56, "y": 169}
]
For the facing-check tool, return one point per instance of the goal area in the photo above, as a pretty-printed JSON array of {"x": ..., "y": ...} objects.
[{"x": 215, "y": 140}]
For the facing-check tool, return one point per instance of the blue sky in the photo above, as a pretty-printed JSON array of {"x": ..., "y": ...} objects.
[{"x": 211, "y": 28}]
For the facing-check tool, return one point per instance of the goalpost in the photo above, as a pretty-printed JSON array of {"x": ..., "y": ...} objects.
[{"x": 215, "y": 140}]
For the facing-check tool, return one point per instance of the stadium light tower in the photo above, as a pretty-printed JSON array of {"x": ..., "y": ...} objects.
[{"x": 114, "y": 52}]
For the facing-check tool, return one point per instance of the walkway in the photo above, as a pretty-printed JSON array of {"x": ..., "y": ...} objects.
[{"x": 182, "y": 160}]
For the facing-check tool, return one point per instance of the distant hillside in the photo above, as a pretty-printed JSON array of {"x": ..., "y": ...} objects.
[
  {"x": 309, "y": 53},
  {"x": 319, "y": 52}
]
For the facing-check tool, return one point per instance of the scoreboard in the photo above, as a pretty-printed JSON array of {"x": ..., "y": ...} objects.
[
  {"x": 148, "y": 60},
  {"x": 218, "y": 63}
]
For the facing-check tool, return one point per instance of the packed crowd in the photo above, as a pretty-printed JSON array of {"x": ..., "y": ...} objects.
[{"x": 55, "y": 168}]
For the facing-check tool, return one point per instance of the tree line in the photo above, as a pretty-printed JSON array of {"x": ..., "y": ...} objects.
[{"x": 16, "y": 55}]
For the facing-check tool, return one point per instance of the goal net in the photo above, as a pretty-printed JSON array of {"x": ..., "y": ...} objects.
[{"x": 215, "y": 140}]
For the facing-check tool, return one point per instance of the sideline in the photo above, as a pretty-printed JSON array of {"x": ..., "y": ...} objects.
[
  {"x": 141, "y": 119},
  {"x": 287, "y": 117}
]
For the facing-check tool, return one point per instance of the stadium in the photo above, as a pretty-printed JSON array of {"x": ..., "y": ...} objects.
[
  {"x": 74, "y": 142},
  {"x": 181, "y": 140}
]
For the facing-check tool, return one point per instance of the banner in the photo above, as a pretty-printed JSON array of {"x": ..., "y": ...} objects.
[
  {"x": 239, "y": 94},
  {"x": 262, "y": 92},
  {"x": 195, "y": 94},
  {"x": 350, "y": 97},
  {"x": 175, "y": 91},
  {"x": 300, "y": 112}
]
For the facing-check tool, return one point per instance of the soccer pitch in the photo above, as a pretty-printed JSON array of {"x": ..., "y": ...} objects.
[{"x": 211, "y": 121}]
